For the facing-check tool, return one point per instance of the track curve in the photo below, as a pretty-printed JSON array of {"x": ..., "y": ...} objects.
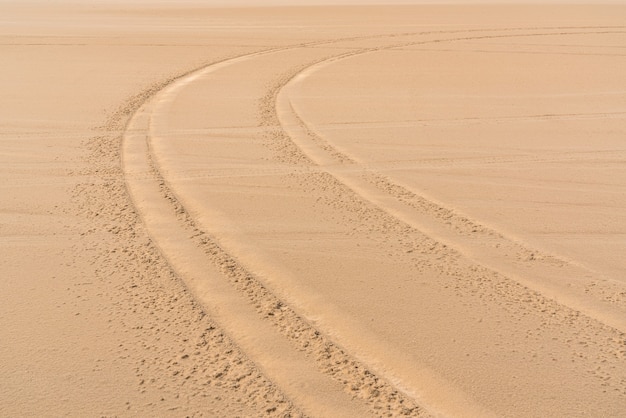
[
  {"x": 178, "y": 230},
  {"x": 454, "y": 229},
  {"x": 170, "y": 226}
]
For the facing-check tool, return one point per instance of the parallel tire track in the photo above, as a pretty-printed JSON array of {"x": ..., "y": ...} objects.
[
  {"x": 357, "y": 378},
  {"x": 359, "y": 382}
]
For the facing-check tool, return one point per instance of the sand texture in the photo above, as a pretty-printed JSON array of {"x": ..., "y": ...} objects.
[{"x": 312, "y": 211}]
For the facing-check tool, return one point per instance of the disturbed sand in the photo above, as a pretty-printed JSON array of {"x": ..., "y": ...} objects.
[{"x": 321, "y": 211}]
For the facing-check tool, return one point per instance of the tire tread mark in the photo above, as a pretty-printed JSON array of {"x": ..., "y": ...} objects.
[
  {"x": 457, "y": 222},
  {"x": 473, "y": 279},
  {"x": 377, "y": 392}
]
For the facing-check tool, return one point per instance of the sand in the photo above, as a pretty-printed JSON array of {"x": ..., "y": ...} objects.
[{"x": 312, "y": 211}]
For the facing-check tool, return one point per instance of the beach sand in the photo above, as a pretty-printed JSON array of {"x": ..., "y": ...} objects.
[{"x": 312, "y": 211}]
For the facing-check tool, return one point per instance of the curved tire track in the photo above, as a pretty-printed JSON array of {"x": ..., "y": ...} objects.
[
  {"x": 354, "y": 375},
  {"x": 451, "y": 228},
  {"x": 230, "y": 293}
]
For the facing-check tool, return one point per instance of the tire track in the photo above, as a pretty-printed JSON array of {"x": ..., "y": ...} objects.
[
  {"x": 184, "y": 361},
  {"x": 453, "y": 229},
  {"x": 395, "y": 207},
  {"x": 361, "y": 382},
  {"x": 269, "y": 115},
  {"x": 381, "y": 395},
  {"x": 332, "y": 360}
]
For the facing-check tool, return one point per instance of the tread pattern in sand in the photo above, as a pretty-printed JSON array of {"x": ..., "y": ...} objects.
[{"x": 384, "y": 206}]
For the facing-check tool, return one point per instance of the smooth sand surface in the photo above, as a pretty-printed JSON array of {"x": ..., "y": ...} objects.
[{"x": 322, "y": 211}]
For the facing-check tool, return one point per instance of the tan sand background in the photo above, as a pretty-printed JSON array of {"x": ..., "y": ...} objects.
[{"x": 326, "y": 211}]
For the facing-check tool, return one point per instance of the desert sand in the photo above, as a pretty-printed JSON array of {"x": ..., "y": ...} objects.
[{"x": 363, "y": 210}]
